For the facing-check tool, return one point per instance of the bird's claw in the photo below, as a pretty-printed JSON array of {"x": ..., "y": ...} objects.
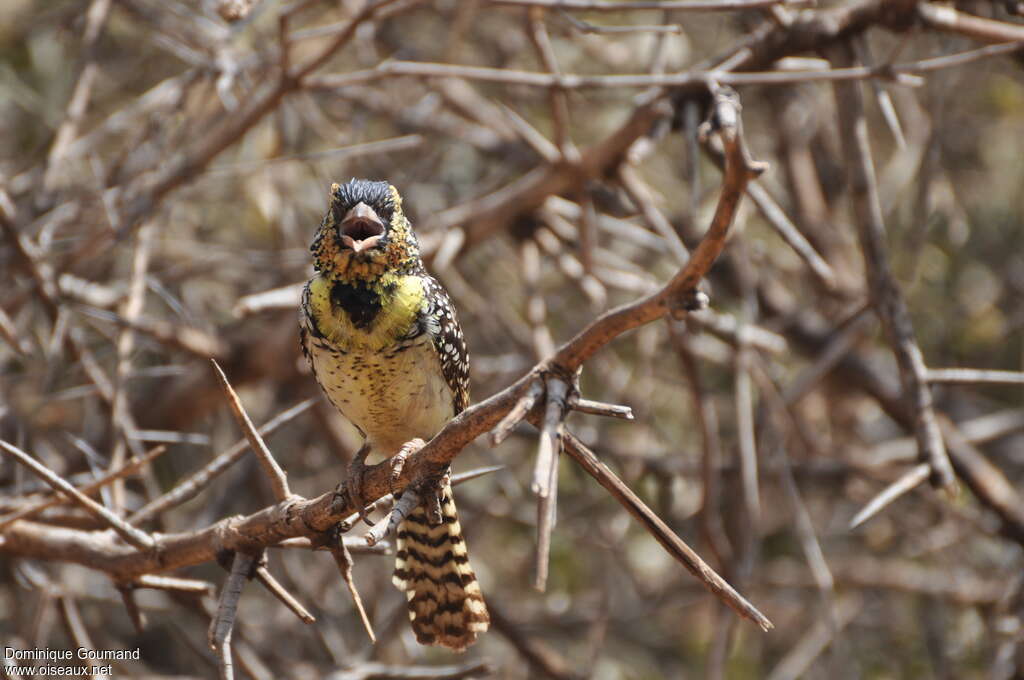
[
  {"x": 353, "y": 484},
  {"x": 398, "y": 460},
  {"x": 433, "y": 496}
]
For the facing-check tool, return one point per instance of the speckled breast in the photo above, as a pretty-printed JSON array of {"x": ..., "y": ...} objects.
[{"x": 392, "y": 396}]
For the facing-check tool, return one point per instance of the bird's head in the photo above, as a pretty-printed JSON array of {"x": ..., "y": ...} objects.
[{"x": 364, "y": 234}]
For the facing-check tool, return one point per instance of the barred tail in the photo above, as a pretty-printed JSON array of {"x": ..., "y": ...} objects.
[{"x": 432, "y": 567}]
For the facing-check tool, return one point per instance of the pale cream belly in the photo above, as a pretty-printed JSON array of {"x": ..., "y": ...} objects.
[{"x": 392, "y": 398}]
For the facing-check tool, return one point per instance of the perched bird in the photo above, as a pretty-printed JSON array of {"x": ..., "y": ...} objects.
[{"x": 383, "y": 340}]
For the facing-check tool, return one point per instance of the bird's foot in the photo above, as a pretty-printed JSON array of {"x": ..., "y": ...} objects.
[
  {"x": 398, "y": 460},
  {"x": 433, "y": 492},
  {"x": 405, "y": 501},
  {"x": 353, "y": 484}
]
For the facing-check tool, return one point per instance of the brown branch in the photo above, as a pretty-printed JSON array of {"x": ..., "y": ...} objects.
[
  {"x": 343, "y": 560},
  {"x": 131, "y": 308},
  {"x": 297, "y": 517},
  {"x": 222, "y": 625},
  {"x": 986, "y": 481},
  {"x": 954, "y": 21},
  {"x": 780, "y": 222},
  {"x": 545, "y": 474},
  {"x": 974, "y": 375},
  {"x": 128, "y": 468},
  {"x": 277, "y": 476},
  {"x": 190, "y": 487},
  {"x": 96, "y": 17},
  {"x": 674, "y": 545},
  {"x": 482, "y": 217},
  {"x": 135, "y": 614},
  {"x": 143, "y": 200},
  {"x": 130, "y": 534},
  {"x": 518, "y": 412},
  {"x": 886, "y": 297},
  {"x": 268, "y": 581},
  {"x": 906, "y": 73},
  {"x": 557, "y": 99},
  {"x": 673, "y": 5},
  {"x": 597, "y": 408},
  {"x": 673, "y": 296}
]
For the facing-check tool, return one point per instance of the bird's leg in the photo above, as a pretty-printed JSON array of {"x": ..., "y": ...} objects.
[
  {"x": 433, "y": 496},
  {"x": 353, "y": 484},
  {"x": 398, "y": 460},
  {"x": 405, "y": 501}
]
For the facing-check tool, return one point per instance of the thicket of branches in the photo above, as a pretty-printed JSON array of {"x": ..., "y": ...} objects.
[{"x": 163, "y": 165}]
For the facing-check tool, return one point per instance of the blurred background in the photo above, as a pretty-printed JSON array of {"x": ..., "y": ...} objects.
[{"x": 159, "y": 186}]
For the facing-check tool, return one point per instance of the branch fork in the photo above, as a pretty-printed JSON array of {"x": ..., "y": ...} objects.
[{"x": 543, "y": 396}]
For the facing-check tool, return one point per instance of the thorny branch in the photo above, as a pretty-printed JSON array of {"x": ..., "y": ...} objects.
[
  {"x": 888, "y": 300},
  {"x": 299, "y": 517},
  {"x": 598, "y": 205}
]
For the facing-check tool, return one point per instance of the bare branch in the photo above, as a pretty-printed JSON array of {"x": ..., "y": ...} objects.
[
  {"x": 268, "y": 581},
  {"x": 597, "y": 408},
  {"x": 343, "y": 559},
  {"x": 128, "y": 468},
  {"x": 517, "y": 413},
  {"x": 886, "y": 296},
  {"x": 950, "y": 19},
  {"x": 664, "y": 535},
  {"x": 200, "y": 479},
  {"x": 668, "y": 5},
  {"x": 130, "y": 534},
  {"x": 406, "y": 504},
  {"x": 223, "y": 623},
  {"x": 173, "y": 583},
  {"x": 278, "y": 478},
  {"x": 974, "y": 375},
  {"x": 299, "y": 517},
  {"x": 545, "y": 474}
]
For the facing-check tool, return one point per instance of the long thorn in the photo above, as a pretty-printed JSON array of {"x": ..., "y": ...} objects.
[
  {"x": 343, "y": 559},
  {"x": 517, "y": 413},
  {"x": 910, "y": 479},
  {"x": 264, "y": 576},
  {"x": 278, "y": 478},
  {"x": 545, "y": 476}
]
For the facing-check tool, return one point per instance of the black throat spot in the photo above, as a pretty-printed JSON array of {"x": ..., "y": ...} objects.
[{"x": 360, "y": 303}]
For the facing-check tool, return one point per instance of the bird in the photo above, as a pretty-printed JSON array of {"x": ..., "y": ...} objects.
[{"x": 383, "y": 341}]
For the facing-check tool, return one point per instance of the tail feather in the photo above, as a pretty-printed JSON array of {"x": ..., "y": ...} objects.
[{"x": 432, "y": 567}]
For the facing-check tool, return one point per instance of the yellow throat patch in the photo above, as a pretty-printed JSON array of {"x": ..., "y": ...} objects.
[{"x": 365, "y": 317}]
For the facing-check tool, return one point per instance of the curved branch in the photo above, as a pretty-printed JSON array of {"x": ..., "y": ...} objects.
[{"x": 297, "y": 517}]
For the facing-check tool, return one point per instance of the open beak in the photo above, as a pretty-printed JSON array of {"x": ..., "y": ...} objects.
[{"x": 361, "y": 228}]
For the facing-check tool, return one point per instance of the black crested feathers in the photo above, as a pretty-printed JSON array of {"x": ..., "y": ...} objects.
[{"x": 377, "y": 195}]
